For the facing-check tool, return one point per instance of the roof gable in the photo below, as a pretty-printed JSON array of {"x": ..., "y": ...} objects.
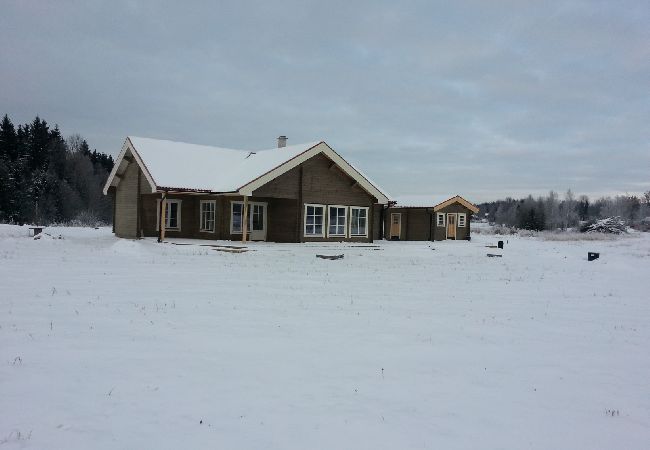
[
  {"x": 325, "y": 149},
  {"x": 122, "y": 161}
]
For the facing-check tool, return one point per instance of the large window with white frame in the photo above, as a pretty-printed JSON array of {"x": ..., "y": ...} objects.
[
  {"x": 208, "y": 215},
  {"x": 337, "y": 220},
  {"x": 358, "y": 221},
  {"x": 440, "y": 219},
  {"x": 314, "y": 220},
  {"x": 462, "y": 220},
  {"x": 172, "y": 215}
]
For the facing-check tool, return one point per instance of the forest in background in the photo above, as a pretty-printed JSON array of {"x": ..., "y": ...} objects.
[
  {"x": 553, "y": 213},
  {"x": 46, "y": 179}
]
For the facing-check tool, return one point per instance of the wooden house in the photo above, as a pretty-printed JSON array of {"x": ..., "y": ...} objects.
[
  {"x": 429, "y": 219},
  {"x": 296, "y": 193}
]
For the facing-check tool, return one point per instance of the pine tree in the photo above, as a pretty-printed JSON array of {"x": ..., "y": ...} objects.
[
  {"x": 8, "y": 154},
  {"x": 42, "y": 179},
  {"x": 8, "y": 140}
]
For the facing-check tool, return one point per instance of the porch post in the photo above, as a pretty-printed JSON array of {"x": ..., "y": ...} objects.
[
  {"x": 161, "y": 219},
  {"x": 244, "y": 220}
]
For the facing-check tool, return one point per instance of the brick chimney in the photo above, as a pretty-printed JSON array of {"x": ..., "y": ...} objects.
[{"x": 282, "y": 141}]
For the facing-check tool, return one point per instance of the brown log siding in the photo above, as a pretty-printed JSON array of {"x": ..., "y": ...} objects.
[
  {"x": 419, "y": 224},
  {"x": 461, "y": 232},
  {"x": 314, "y": 181}
]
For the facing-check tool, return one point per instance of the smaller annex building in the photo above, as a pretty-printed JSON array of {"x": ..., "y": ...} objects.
[{"x": 429, "y": 218}]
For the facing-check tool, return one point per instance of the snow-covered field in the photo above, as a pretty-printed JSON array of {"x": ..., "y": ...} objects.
[{"x": 116, "y": 344}]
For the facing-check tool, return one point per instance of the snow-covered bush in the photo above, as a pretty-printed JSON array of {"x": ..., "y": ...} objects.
[
  {"x": 555, "y": 235},
  {"x": 86, "y": 218},
  {"x": 610, "y": 225}
]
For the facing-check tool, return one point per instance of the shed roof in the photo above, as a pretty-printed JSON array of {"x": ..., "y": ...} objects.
[{"x": 432, "y": 201}]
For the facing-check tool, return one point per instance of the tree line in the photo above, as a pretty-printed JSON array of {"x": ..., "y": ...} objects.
[
  {"x": 552, "y": 212},
  {"x": 47, "y": 179}
]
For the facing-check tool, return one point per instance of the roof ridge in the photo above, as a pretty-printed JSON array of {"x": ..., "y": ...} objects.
[{"x": 246, "y": 150}]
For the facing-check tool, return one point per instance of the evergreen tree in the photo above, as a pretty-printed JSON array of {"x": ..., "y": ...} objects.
[{"x": 45, "y": 180}]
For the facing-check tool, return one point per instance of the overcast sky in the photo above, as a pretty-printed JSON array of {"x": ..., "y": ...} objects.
[{"x": 485, "y": 99}]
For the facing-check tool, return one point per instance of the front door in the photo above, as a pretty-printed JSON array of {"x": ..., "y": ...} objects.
[
  {"x": 451, "y": 226},
  {"x": 257, "y": 221},
  {"x": 395, "y": 225}
]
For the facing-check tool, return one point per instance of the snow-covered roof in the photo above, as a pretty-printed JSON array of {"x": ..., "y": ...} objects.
[
  {"x": 430, "y": 201},
  {"x": 420, "y": 201},
  {"x": 169, "y": 165},
  {"x": 178, "y": 165}
]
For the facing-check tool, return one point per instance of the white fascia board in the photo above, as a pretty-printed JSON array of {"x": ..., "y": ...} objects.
[
  {"x": 128, "y": 146},
  {"x": 116, "y": 166},
  {"x": 322, "y": 147}
]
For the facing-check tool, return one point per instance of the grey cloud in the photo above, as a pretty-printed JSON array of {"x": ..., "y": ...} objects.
[{"x": 485, "y": 99}]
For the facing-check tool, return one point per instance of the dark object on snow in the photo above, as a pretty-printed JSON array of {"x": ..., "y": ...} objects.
[
  {"x": 332, "y": 257},
  {"x": 36, "y": 230},
  {"x": 592, "y": 255},
  {"x": 612, "y": 225},
  {"x": 500, "y": 244},
  {"x": 232, "y": 250},
  {"x": 492, "y": 255}
]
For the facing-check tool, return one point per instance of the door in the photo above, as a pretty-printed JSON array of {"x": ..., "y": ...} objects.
[
  {"x": 257, "y": 221},
  {"x": 395, "y": 225},
  {"x": 451, "y": 226}
]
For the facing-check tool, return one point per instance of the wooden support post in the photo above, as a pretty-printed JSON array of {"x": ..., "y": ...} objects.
[
  {"x": 244, "y": 219},
  {"x": 112, "y": 191},
  {"x": 138, "y": 207},
  {"x": 161, "y": 219}
]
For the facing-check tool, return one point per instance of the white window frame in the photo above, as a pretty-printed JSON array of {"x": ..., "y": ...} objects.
[
  {"x": 443, "y": 222},
  {"x": 250, "y": 216},
  {"x": 461, "y": 220},
  {"x": 345, "y": 224},
  {"x": 178, "y": 219},
  {"x": 214, "y": 217},
  {"x": 251, "y": 210},
  {"x": 366, "y": 218},
  {"x": 324, "y": 224}
]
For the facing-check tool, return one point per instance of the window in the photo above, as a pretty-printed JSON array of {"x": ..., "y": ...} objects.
[
  {"x": 172, "y": 215},
  {"x": 358, "y": 221},
  {"x": 440, "y": 219},
  {"x": 208, "y": 213},
  {"x": 461, "y": 219},
  {"x": 314, "y": 220},
  {"x": 337, "y": 220},
  {"x": 236, "y": 212},
  {"x": 257, "y": 218}
]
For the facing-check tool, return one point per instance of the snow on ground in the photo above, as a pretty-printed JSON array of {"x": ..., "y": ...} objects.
[{"x": 117, "y": 344}]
